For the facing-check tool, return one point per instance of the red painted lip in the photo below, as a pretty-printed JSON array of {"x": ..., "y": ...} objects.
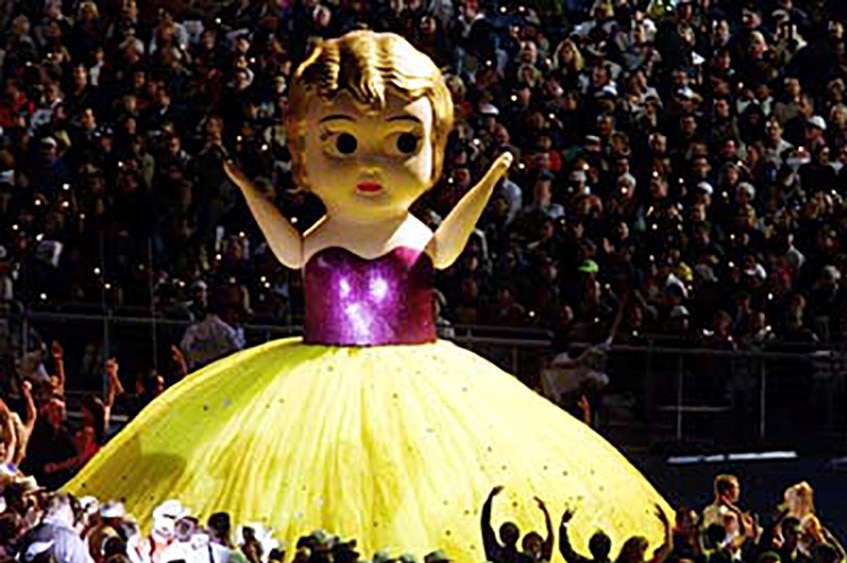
[{"x": 369, "y": 187}]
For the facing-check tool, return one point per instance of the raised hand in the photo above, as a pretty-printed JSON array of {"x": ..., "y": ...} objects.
[
  {"x": 663, "y": 518},
  {"x": 235, "y": 174},
  {"x": 56, "y": 349},
  {"x": 540, "y": 504},
  {"x": 567, "y": 516},
  {"x": 453, "y": 233},
  {"x": 496, "y": 491}
]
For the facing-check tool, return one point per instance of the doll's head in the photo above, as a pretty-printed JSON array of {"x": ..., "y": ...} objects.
[{"x": 369, "y": 121}]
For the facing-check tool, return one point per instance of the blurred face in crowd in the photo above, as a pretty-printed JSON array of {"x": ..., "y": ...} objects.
[
  {"x": 54, "y": 412},
  {"x": 428, "y": 25},
  {"x": 658, "y": 144},
  {"x": 622, "y": 166},
  {"x": 836, "y": 30},
  {"x": 80, "y": 77},
  {"x": 722, "y": 109},
  {"x": 721, "y": 32},
  {"x": 730, "y": 150},
  {"x": 566, "y": 54},
  {"x": 542, "y": 191},
  {"x": 679, "y": 79},
  {"x": 605, "y": 125},
  {"x": 528, "y": 53},
  {"x": 792, "y": 88},
  {"x": 599, "y": 76},
  {"x": 701, "y": 168},
  {"x": 758, "y": 45},
  {"x": 52, "y": 93},
  {"x": 626, "y": 189},
  {"x": 174, "y": 146},
  {"x": 688, "y": 125},
  {"x": 242, "y": 80},
  {"x": 773, "y": 130},
  {"x": 139, "y": 80},
  {"x": 838, "y": 116},
  {"x": 462, "y": 178},
  {"x": 813, "y": 133},
  {"x": 658, "y": 188},
  {"x": 88, "y": 120},
  {"x": 750, "y": 19}
]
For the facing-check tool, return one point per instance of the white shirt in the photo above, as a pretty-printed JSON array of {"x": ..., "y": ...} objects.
[{"x": 209, "y": 340}]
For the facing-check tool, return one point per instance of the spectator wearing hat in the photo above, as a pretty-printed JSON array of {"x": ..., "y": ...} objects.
[
  {"x": 815, "y": 130},
  {"x": 112, "y": 515},
  {"x": 57, "y": 529}
]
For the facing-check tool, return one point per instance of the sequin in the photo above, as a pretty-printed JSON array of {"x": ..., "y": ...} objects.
[{"x": 353, "y": 301}]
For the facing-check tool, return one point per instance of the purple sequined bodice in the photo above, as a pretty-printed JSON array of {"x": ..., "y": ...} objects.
[{"x": 354, "y": 301}]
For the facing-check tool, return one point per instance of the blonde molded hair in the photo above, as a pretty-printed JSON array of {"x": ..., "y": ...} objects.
[{"x": 368, "y": 66}]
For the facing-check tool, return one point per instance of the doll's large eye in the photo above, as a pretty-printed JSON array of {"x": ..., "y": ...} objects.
[
  {"x": 346, "y": 143},
  {"x": 407, "y": 143}
]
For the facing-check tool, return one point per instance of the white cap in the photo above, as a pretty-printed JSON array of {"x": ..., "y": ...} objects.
[
  {"x": 679, "y": 311},
  {"x": 113, "y": 509},
  {"x": 757, "y": 271},
  {"x": 818, "y": 122},
  {"x": 37, "y": 548},
  {"x": 706, "y": 187},
  {"x": 608, "y": 90},
  {"x": 748, "y": 189},
  {"x": 489, "y": 109},
  {"x": 170, "y": 509},
  {"x": 686, "y": 93}
]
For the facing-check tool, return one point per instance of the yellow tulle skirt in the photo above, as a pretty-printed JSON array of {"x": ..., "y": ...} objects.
[{"x": 396, "y": 446}]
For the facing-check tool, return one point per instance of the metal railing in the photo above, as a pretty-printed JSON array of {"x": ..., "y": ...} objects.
[{"x": 662, "y": 393}]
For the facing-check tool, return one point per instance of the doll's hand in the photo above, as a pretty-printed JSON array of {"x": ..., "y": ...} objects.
[
  {"x": 237, "y": 176},
  {"x": 497, "y": 170}
]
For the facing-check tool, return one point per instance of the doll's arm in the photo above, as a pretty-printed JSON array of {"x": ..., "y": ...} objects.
[
  {"x": 453, "y": 233},
  {"x": 284, "y": 240}
]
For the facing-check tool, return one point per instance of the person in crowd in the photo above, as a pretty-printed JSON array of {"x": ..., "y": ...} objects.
[
  {"x": 599, "y": 545},
  {"x": 505, "y": 549},
  {"x": 56, "y": 534}
]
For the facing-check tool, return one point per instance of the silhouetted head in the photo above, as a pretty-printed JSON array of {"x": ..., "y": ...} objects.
[
  {"x": 633, "y": 550},
  {"x": 600, "y": 545},
  {"x": 509, "y": 534},
  {"x": 532, "y": 544},
  {"x": 790, "y": 533}
]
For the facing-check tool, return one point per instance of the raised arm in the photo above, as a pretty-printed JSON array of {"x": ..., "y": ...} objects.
[
  {"x": 565, "y": 547},
  {"x": 113, "y": 388},
  {"x": 179, "y": 360},
  {"x": 833, "y": 541},
  {"x": 11, "y": 445},
  {"x": 547, "y": 547},
  {"x": 31, "y": 411},
  {"x": 59, "y": 361},
  {"x": 284, "y": 240},
  {"x": 452, "y": 235},
  {"x": 489, "y": 538},
  {"x": 664, "y": 551}
]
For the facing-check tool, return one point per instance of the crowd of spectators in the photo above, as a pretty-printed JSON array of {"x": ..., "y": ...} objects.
[
  {"x": 40, "y": 526},
  {"x": 684, "y": 157}
]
